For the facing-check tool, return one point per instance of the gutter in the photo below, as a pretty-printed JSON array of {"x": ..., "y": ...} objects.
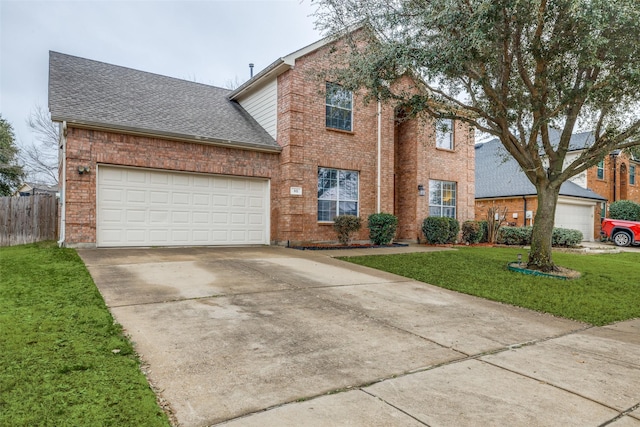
[
  {"x": 172, "y": 136},
  {"x": 63, "y": 186}
]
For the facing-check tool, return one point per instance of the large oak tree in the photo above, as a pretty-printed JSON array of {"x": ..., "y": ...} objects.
[{"x": 511, "y": 68}]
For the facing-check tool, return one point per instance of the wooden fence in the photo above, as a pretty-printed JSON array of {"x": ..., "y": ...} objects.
[{"x": 28, "y": 219}]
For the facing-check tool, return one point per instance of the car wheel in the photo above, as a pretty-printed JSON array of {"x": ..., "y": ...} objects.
[{"x": 622, "y": 238}]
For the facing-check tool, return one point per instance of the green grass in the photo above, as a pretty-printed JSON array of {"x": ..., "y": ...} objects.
[
  {"x": 608, "y": 290},
  {"x": 57, "y": 363}
]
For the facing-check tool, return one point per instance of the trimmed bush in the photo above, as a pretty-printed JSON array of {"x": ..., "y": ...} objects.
[
  {"x": 382, "y": 228},
  {"x": 624, "y": 209},
  {"x": 521, "y": 236},
  {"x": 440, "y": 230},
  {"x": 518, "y": 236},
  {"x": 345, "y": 226},
  {"x": 484, "y": 238},
  {"x": 566, "y": 237},
  {"x": 471, "y": 232}
]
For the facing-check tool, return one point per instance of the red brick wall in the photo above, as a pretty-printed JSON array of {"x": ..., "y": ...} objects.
[
  {"x": 614, "y": 173},
  {"x": 408, "y": 154},
  {"x": 91, "y": 147}
]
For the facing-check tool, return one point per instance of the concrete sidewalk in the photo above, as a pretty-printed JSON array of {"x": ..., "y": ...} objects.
[{"x": 276, "y": 337}]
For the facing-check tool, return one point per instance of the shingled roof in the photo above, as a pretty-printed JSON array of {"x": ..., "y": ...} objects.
[
  {"x": 499, "y": 175},
  {"x": 99, "y": 95}
]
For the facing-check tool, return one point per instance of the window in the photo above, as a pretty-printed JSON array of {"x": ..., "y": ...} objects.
[
  {"x": 337, "y": 193},
  {"x": 444, "y": 133},
  {"x": 339, "y": 111},
  {"x": 632, "y": 174},
  {"x": 601, "y": 169},
  {"x": 442, "y": 198}
]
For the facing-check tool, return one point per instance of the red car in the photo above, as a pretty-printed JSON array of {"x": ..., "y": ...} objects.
[{"x": 621, "y": 232}]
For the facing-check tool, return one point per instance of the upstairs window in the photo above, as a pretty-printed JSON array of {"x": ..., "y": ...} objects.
[
  {"x": 632, "y": 174},
  {"x": 600, "y": 169},
  {"x": 442, "y": 198},
  {"x": 339, "y": 107},
  {"x": 337, "y": 193},
  {"x": 444, "y": 134}
]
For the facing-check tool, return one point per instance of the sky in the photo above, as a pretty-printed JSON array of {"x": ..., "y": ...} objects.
[{"x": 207, "y": 41}]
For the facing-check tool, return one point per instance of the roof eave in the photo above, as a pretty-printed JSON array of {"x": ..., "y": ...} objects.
[{"x": 167, "y": 135}]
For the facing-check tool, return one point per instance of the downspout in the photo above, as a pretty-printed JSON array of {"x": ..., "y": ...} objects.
[
  {"x": 378, "y": 202},
  {"x": 613, "y": 160},
  {"x": 63, "y": 184}
]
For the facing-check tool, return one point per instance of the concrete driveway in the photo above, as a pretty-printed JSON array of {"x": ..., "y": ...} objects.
[{"x": 271, "y": 336}]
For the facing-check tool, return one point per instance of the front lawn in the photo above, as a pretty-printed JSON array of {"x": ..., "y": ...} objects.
[
  {"x": 63, "y": 360},
  {"x": 608, "y": 290}
]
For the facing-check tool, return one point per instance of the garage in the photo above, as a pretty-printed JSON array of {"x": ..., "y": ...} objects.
[
  {"x": 144, "y": 207},
  {"x": 577, "y": 215}
]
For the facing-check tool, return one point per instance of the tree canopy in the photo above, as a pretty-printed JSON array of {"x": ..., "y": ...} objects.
[
  {"x": 11, "y": 173},
  {"x": 515, "y": 69}
]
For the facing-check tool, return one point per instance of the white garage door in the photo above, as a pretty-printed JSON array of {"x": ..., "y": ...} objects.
[
  {"x": 577, "y": 216},
  {"x": 141, "y": 207}
]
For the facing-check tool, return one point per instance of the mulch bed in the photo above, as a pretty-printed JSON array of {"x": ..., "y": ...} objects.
[{"x": 325, "y": 247}]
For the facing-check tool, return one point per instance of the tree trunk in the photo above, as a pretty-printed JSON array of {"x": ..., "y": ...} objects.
[{"x": 540, "y": 255}]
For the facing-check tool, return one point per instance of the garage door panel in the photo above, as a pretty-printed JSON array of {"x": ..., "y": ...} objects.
[
  {"x": 148, "y": 207},
  {"x": 576, "y": 217}
]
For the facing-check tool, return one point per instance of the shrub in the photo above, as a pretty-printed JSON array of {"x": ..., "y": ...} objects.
[
  {"x": 471, "y": 232},
  {"x": 625, "y": 209},
  {"x": 521, "y": 236},
  {"x": 566, "y": 237},
  {"x": 382, "y": 228},
  {"x": 345, "y": 226},
  {"x": 484, "y": 236},
  {"x": 439, "y": 230}
]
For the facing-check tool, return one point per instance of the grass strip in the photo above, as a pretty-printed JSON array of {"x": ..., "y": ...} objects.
[
  {"x": 64, "y": 361},
  {"x": 608, "y": 290}
]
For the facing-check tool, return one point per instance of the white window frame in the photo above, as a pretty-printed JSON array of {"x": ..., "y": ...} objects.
[
  {"x": 340, "y": 197},
  {"x": 437, "y": 205},
  {"x": 600, "y": 170},
  {"x": 445, "y": 131},
  {"x": 330, "y": 105}
]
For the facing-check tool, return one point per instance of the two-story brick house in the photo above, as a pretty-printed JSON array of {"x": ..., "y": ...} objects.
[{"x": 151, "y": 160}]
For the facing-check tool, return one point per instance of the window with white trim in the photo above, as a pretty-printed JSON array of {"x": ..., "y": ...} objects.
[
  {"x": 444, "y": 134},
  {"x": 442, "y": 198},
  {"x": 339, "y": 108},
  {"x": 337, "y": 193},
  {"x": 632, "y": 174},
  {"x": 600, "y": 170}
]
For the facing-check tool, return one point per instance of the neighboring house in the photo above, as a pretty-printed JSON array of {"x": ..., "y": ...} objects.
[
  {"x": 31, "y": 189},
  {"x": 153, "y": 160},
  {"x": 500, "y": 182}
]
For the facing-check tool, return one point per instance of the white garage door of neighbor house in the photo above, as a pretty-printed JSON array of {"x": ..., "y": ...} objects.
[
  {"x": 576, "y": 217},
  {"x": 141, "y": 207}
]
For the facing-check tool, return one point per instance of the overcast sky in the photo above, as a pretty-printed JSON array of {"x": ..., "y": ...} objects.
[{"x": 207, "y": 41}]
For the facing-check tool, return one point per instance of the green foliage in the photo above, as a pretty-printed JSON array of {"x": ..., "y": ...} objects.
[
  {"x": 602, "y": 295},
  {"x": 57, "y": 344},
  {"x": 345, "y": 226},
  {"x": 472, "y": 232},
  {"x": 625, "y": 209},
  {"x": 440, "y": 229},
  {"x": 382, "y": 228},
  {"x": 566, "y": 237},
  {"x": 521, "y": 236},
  {"x": 10, "y": 172},
  {"x": 484, "y": 231}
]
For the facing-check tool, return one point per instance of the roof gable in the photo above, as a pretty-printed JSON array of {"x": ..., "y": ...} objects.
[{"x": 95, "y": 94}]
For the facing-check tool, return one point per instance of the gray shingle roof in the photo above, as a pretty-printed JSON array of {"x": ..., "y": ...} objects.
[
  {"x": 499, "y": 175},
  {"x": 94, "y": 93}
]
